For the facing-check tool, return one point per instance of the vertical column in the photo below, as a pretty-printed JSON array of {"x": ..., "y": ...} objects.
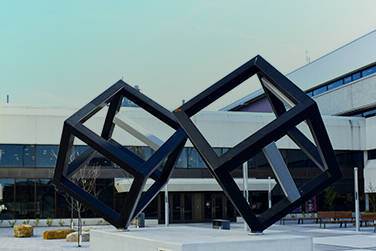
[
  {"x": 245, "y": 189},
  {"x": 365, "y": 159},
  {"x": 269, "y": 192},
  {"x": 356, "y": 195},
  {"x": 166, "y": 206}
]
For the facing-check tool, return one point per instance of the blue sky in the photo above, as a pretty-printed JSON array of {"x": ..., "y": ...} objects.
[{"x": 64, "y": 53}]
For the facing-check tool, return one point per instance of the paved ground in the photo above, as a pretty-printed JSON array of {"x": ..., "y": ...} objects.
[{"x": 331, "y": 238}]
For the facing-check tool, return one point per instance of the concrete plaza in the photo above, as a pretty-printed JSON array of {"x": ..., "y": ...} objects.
[{"x": 331, "y": 238}]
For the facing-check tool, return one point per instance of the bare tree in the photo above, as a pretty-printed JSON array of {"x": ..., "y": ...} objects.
[
  {"x": 372, "y": 195},
  {"x": 85, "y": 178}
]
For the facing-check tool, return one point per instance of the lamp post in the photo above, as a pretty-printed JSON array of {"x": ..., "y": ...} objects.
[
  {"x": 356, "y": 195},
  {"x": 245, "y": 189}
]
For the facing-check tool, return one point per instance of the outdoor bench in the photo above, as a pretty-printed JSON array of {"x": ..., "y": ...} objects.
[
  {"x": 335, "y": 217},
  {"x": 221, "y": 224},
  {"x": 368, "y": 217}
]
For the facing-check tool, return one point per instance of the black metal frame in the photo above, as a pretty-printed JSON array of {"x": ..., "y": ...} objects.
[
  {"x": 140, "y": 169},
  {"x": 278, "y": 90}
]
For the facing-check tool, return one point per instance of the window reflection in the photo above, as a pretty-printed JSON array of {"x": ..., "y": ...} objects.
[
  {"x": 182, "y": 161},
  {"x": 46, "y": 155},
  {"x": 320, "y": 90},
  {"x": 345, "y": 80},
  {"x": 335, "y": 84}
]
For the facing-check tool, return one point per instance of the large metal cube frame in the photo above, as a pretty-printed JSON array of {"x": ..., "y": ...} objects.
[
  {"x": 140, "y": 169},
  {"x": 281, "y": 93}
]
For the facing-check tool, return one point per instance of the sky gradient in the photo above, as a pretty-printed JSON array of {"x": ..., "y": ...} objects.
[{"x": 64, "y": 53}]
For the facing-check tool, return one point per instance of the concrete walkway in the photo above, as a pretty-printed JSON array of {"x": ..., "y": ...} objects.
[{"x": 331, "y": 238}]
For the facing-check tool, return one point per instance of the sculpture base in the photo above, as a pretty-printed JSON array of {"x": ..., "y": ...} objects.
[{"x": 194, "y": 239}]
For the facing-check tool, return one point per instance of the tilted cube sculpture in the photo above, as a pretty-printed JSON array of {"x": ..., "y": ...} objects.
[
  {"x": 281, "y": 93},
  {"x": 140, "y": 169}
]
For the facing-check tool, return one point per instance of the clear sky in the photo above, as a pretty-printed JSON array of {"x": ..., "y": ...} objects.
[{"x": 64, "y": 53}]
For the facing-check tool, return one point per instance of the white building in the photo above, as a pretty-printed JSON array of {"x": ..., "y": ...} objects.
[{"x": 343, "y": 83}]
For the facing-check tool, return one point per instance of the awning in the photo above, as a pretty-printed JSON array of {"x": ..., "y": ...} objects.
[{"x": 198, "y": 184}]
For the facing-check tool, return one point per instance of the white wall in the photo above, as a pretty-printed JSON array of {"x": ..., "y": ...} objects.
[
  {"x": 371, "y": 132},
  {"x": 350, "y": 97},
  {"x": 352, "y": 56},
  {"x": 38, "y": 125}
]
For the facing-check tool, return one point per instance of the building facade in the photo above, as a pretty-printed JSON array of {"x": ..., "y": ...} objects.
[{"x": 343, "y": 83}]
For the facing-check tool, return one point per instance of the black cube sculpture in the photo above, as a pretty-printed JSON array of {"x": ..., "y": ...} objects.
[
  {"x": 140, "y": 169},
  {"x": 281, "y": 93}
]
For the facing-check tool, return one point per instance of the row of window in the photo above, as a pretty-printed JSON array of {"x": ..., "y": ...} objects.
[
  {"x": 366, "y": 114},
  {"x": 45, "y": 156},
  {"x": 343, "y": 81},
  {"x": 37, "y": 198}
]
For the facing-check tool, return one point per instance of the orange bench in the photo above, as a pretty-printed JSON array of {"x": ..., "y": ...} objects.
[
  {"x": 368, "y": 217},
  {"x": 335, "y": 217}
]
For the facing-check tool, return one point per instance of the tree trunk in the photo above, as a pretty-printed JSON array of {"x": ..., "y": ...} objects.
[
  {"x": 79, "y": 227},
  {"x": 72, "y": 211}
]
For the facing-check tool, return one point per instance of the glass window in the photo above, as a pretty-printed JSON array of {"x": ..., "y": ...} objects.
[
  {"x": 7, "y": 198},
  {"x": 194, "y": 159},
  {"x": 182, "y": 161},
  {"x": 356, "y": 76},
  {"x": 46, "y": 155},
  {"x": 335, "y": 84},
  {"x": 347, "y": 80},
  {"x": 369, "y": 71},
  {"x": 24, "y": 202},
  {"x": 29, "y": 155},
  {"x": 11, "y": 155},
  {"x": 369, "y": 113},
  {"x": 218, "y": 151},
  {"x": 372, "y": 154},
  {"x": 45, "y": 199},
  {"x": 310, "y": 94},
  {"x": 320, "y": 90}
]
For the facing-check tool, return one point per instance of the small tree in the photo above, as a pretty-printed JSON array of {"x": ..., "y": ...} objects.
[
  {"x": 372, "y": 195},
  {"x": 330, "y": 197},
  {"x": 85, "y": 178}
]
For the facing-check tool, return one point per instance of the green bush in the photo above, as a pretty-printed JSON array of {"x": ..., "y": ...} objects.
[{"x": 49, "y": 222}]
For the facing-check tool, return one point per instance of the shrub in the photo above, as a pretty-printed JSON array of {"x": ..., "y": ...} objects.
[
  {"x": 49, "y": 222},
  {"x": 12, "y": 222}
]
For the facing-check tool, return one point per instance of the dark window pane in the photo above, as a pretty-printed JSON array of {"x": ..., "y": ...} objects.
[
  {"x": 347, "y": 80},
  {"x": 320, "y": 90},
  {"x": 79, "y": 149},
  {"x": 182, "y": 161},
  {"x": 24, "y": 202},
  {"x": 356, "y": 76},
  {"x": 218, "y": 151},
  {"x": 46, "y": 155},
  {"x": 369, "y": 71},
  {"x": 29, "y": 155},
  {"x": 45, "y": 199},
  {"x": 194, "y": 159},
  {"x": 335, "y": 84},
  {"x": 7, "y": 197},
  {"x": 11, "y": 155},
  {"x": 369, "y": 113},
  {"x": 372, "y": 154}
]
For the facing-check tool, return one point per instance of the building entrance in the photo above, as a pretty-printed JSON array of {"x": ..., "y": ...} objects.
[{"x": 196, "y": 207}]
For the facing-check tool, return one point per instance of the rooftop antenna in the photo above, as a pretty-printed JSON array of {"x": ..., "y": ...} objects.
[{"x": 307, "y": 58}]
